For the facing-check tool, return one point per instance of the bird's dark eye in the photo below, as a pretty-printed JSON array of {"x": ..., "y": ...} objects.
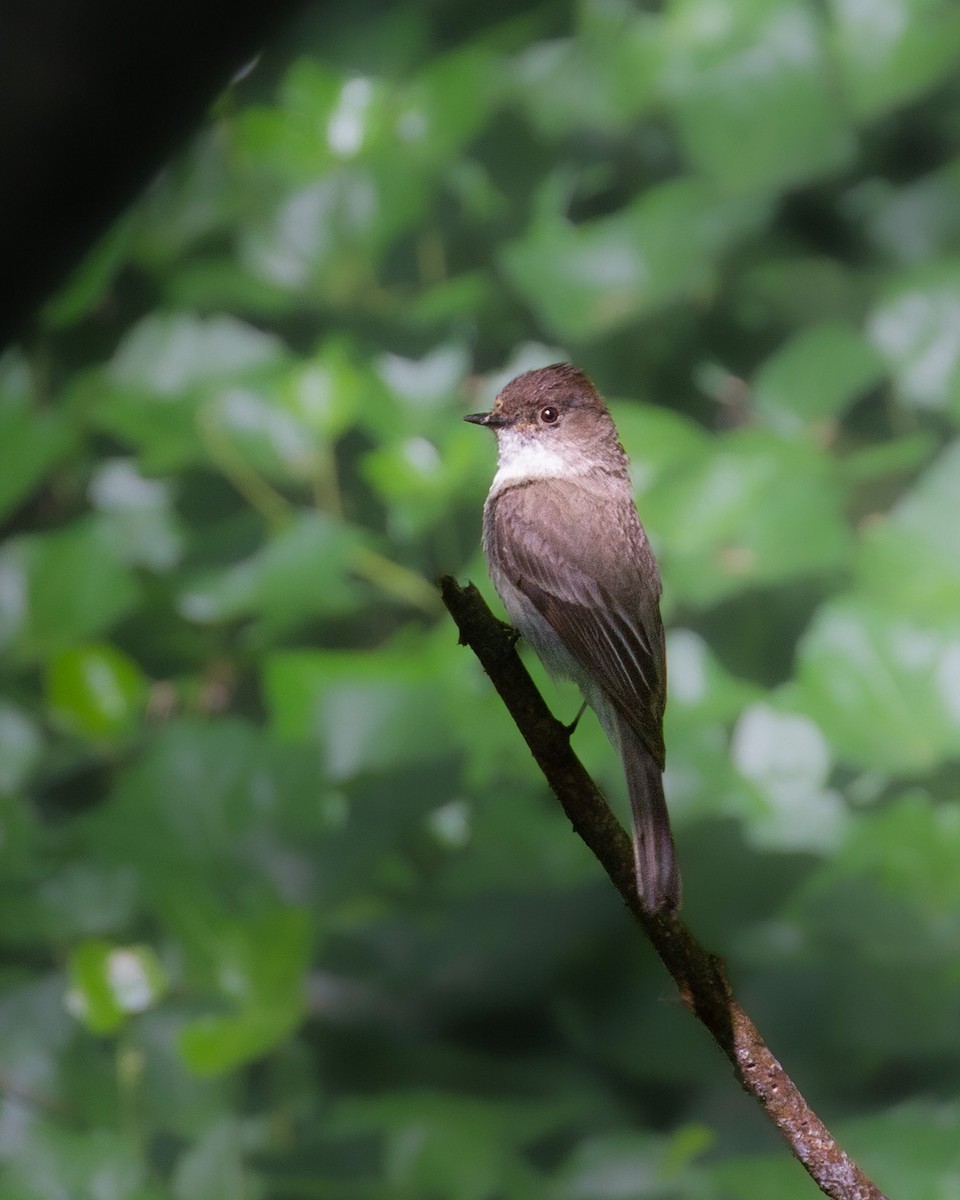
[{"x": 549, "y": 414}]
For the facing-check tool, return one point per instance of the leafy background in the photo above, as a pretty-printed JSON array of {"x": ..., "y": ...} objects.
[{"x": 286, "y": 911}]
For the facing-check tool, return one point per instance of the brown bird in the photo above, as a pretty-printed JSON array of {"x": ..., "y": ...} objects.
[{"x": 572, "y": 564}]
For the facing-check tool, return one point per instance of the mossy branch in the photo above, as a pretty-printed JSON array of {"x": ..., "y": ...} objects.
[{"x": 699, "y": 975}]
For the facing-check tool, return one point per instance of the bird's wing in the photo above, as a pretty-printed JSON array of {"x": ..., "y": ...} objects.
[{"x": 609, "y": 620}]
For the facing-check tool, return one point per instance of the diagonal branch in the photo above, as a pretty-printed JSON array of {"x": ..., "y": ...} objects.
[{"x": 699, "y": 975}]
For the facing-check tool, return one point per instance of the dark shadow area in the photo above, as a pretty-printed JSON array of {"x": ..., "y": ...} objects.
[{"x": 95, "y": 96}]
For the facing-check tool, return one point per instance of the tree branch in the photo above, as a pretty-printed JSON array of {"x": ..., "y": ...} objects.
[{"x": 700, "y": 976}]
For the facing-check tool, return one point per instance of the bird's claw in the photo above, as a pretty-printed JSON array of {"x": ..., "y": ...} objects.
[{"x": 576, "y": 720}]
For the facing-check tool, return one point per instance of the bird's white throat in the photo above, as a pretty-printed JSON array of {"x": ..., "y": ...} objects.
[{"x": 521, "y": 459}]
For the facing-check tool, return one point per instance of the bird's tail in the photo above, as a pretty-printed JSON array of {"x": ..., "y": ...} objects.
[{"x": 658, "y": 876}]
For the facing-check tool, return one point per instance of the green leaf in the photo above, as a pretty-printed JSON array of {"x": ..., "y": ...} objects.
[
  {"x": 301, "y": 572},
  {"x": 746, "y": 1176},
  {"x": 245, "y": 427},
  {"x": 21, "y": 746},
  {"x": 912, "y": 556},
  {"x": 49, "y": 1160},
  {"x": 168, "y": 354},
  {"x": 750, "y": 91},
  {"x": 445, "y": 1144},
  {"x": 343, "y": 116},
  {"x": 587, "y": 280},
  {"x": 912, "y": 1147},
  {"x": 211, "y": 1168},
  {"x": 58, "y": 589},
  {"x": 443, "y": 107},
  {"x": 899, "y": 456},
  {"x": 458, "y": 299},
  {"x": 657, "y": 441},
  {"x": 909, "y": 848},
  {"x": 171, "y": 376},
  {"x": 326, "y": 236},
  {"x": 420, "y": 478},
  {"x": 699, "y": 684},
  {"x": 815, "y": 377},
  {"x": 424, "y": 387},
  {"x": 188, "y": 805},
  {"x": 787, "y": 758},
  {"x": 166, "y": 433},
  {"x": 136, "y": 513},
  {"x": 85, "y": 899},
  {"x": 756, "y": 510},
  {"x": 35, "y": 1030},
  {"x": 885, "y": 683},
  {"x": 214, "y": 816},
  {"x": 611, "y": 1166},
  {"x": 889, "y": 53},
  {"x": 31, "y": 439},
  {"x": 360, "y": 706},
  {"x": 919, "y": 221},
  {"x": 329, "y": 391},
  {"x": 703, "y": 701},
  {"x": 601, "y": 79},
  {"x": 262, "y": 963},
  {"x": 109, "y": 983},
  {"x": 790, "y": 290},
  {"x": 916, "y": 329},
  {"x": 96, "y": 690}
]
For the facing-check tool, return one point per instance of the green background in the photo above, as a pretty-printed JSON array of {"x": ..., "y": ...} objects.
[{"x": 286, "y": 909}]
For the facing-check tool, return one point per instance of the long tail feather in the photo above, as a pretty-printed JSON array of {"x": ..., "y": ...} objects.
[{"x": 658, "y": 876}]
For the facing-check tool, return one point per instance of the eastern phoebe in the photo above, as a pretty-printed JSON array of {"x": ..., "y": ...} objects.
[{"x": 573, "y": 567}]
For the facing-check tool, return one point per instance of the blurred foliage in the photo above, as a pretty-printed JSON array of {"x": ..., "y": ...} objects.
[{"x": 286, "y": 910}]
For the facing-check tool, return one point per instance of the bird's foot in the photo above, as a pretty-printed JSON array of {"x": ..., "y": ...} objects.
[
  {"x": 512, "y": 634},
  {"x": 571, "y": 728}
]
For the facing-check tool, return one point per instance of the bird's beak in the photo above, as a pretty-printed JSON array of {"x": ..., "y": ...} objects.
[{"x": 490, "y": 419}]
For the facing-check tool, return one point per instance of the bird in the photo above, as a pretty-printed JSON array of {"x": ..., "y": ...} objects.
[{"x": 572, "y": 564}]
